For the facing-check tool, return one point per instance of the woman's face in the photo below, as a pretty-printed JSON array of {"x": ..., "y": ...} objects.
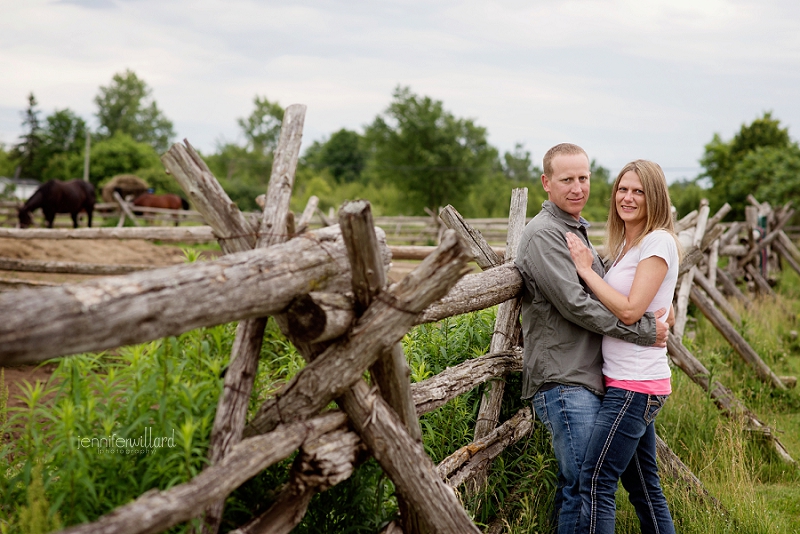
[{"x": 629, "y": 200}]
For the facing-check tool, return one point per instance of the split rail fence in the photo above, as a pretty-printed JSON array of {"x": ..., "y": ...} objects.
[{"x": 328, "y": 291}]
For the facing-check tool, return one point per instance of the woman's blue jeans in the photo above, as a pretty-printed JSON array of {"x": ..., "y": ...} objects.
[
  {"x": 569, "y": 414},
  {"x": 623, "y": 447}
]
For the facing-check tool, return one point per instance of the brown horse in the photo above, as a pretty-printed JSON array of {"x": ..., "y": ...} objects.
[
  {"x": 59, "y": 197},
  {"x": 166, "y": 201}
]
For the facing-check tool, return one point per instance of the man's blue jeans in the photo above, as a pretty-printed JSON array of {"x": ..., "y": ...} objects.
[
  {"x": 569, "y": 414},
  {"x": 623, "y": 447}
]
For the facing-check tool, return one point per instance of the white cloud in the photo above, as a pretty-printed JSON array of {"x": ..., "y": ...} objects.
[{"x": 623, "y": 77}]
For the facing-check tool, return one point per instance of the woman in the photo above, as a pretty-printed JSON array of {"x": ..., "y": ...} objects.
[{"x": 642, "y": 244}]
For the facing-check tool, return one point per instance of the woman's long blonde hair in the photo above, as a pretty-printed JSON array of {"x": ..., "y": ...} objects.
[{"x": 659, "y": 207}]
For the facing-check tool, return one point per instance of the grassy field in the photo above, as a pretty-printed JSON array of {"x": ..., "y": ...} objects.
[{"x": 172, "y": 387}]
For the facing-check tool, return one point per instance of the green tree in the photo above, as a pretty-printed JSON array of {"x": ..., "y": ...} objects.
[
  {"x": 7, "y": 161},
  {"x": 430, "y": 155},
  {"x": 243, "y": 171},
  {"x": 26, "y": 152},
  {"x": 518, "y": 167},
  {"x": 596, "y": 209},
  {"x": 343, "y": 156},
  {"x": 63, "y": 138},
  {"x": 119, "y": 154},
  {"x": 721, "y": 160},
  {"x": 769, "y": 173},
  {"x": 686, "y": 196},
  {"x": 262, "y": 127},
  {"x": 126, "y": 106}
]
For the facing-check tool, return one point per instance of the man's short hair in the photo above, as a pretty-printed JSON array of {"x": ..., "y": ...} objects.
[{"x": 562, "y": 149}]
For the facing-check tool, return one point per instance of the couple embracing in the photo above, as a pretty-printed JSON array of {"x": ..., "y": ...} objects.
[{"x": 595, "y": 359}]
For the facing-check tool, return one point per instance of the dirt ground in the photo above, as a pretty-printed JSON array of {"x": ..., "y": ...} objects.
[{"x": 101, "y": 251}]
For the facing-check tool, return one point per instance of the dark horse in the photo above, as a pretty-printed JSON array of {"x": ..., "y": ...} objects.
[
  {"x": 59, "y": 197},
  {"x": 166, "y": 201}
]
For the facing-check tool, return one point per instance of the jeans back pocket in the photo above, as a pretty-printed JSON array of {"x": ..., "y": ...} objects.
[{"x": 654, "y": 405}]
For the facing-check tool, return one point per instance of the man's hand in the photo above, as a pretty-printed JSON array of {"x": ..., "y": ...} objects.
[
  {"x": 671, "y": 316},
  {"x": 662, "y": 328}
]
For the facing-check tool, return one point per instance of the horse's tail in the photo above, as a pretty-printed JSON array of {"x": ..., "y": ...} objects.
[{"x": 184, "y": 203}]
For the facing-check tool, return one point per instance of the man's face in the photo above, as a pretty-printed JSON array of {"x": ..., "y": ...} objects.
[{"x": 568, "y": 187}]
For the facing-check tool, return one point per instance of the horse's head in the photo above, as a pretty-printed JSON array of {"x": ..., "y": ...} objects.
[{"x": 24, "y": 218}]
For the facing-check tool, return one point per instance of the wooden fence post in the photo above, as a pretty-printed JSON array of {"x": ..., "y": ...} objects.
[{"x": 686, "y": 281}]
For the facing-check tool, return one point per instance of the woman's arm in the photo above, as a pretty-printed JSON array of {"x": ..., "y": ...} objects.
[{"x": 650, "y": 272}]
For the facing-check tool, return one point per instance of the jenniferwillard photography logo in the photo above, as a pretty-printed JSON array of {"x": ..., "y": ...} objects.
[{"x": 113, "y": 444}]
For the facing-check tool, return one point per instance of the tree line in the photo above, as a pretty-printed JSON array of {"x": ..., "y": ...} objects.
[{"x": 414, "y": 155}]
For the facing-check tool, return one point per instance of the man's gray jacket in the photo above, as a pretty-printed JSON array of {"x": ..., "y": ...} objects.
[{"x": 562, "y": 321}]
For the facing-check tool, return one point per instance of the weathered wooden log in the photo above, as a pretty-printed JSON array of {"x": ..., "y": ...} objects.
[
  {"x": 405, "y": 461},
  {"x": 390, "y": 372},
  {"x": 751, "y": 220},
  {"x": 711, "y": 235},
  {"x": 126, "y": 210},
  {"x": 733, "y": 250},
  {"x": 482, "y": 253},
  {"x": 762, "y": 285},
  {"x": 469, "y": 460},
  {"x": 64, "y": 267},
  {"x": 506, "y": 332},
  {"x": 384, "y": 323},
  {"x": 695, "y": 253},
  {"x": 774, "y": 233},
  {"x": 322, "y": 463},
  {"x": 691, "y": 257},
  {"x": 156, "y": 511},
  {"x": 281, "y": 183},
  {"x": 735, "y": 339},
  {"x": 319, "y": 317},
  {"x": 140, "y": 307},
  {"x": 718, "y": 298},
  {"x": 730, "y": 287},
  {"x": 789, "y": 381},
  {"x": 730, "y": 234},
  {"x": 723, "y": 397},
  {"x": 672, "y": 466},
  {"x": 208, "y": 197},
  {"x": 420, "y": 252},
  {"x": 721, "y": 213},
  {"x": 713, "y": 261},
  {"x": 686, "y": 222},
  {"x": 476, "y": 292},
  {"x": 19, "y": 282},
  {"x": 428, "y": 395},
  {"x": 786, "y": 255},
  {"x": 276, "y": 226},
  {"x": 682, "y": 298},
  {"x": 437, "y": 390},
  {"x": 789, "y": 245},
  {"x": 307, "y": 215},
  {"x": 167, "y": 234}
]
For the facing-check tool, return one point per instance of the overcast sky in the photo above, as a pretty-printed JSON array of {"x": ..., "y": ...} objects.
[{"x": 625, "y": 79}]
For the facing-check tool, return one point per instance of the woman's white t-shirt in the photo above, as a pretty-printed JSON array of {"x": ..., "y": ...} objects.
[{"x": 623, "y": 360}]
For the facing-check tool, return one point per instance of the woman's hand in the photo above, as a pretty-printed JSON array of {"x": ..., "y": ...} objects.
[{"x": 580, "y": 253}]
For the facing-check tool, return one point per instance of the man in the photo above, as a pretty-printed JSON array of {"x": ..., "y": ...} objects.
[{"x": 563, "y": 324}]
